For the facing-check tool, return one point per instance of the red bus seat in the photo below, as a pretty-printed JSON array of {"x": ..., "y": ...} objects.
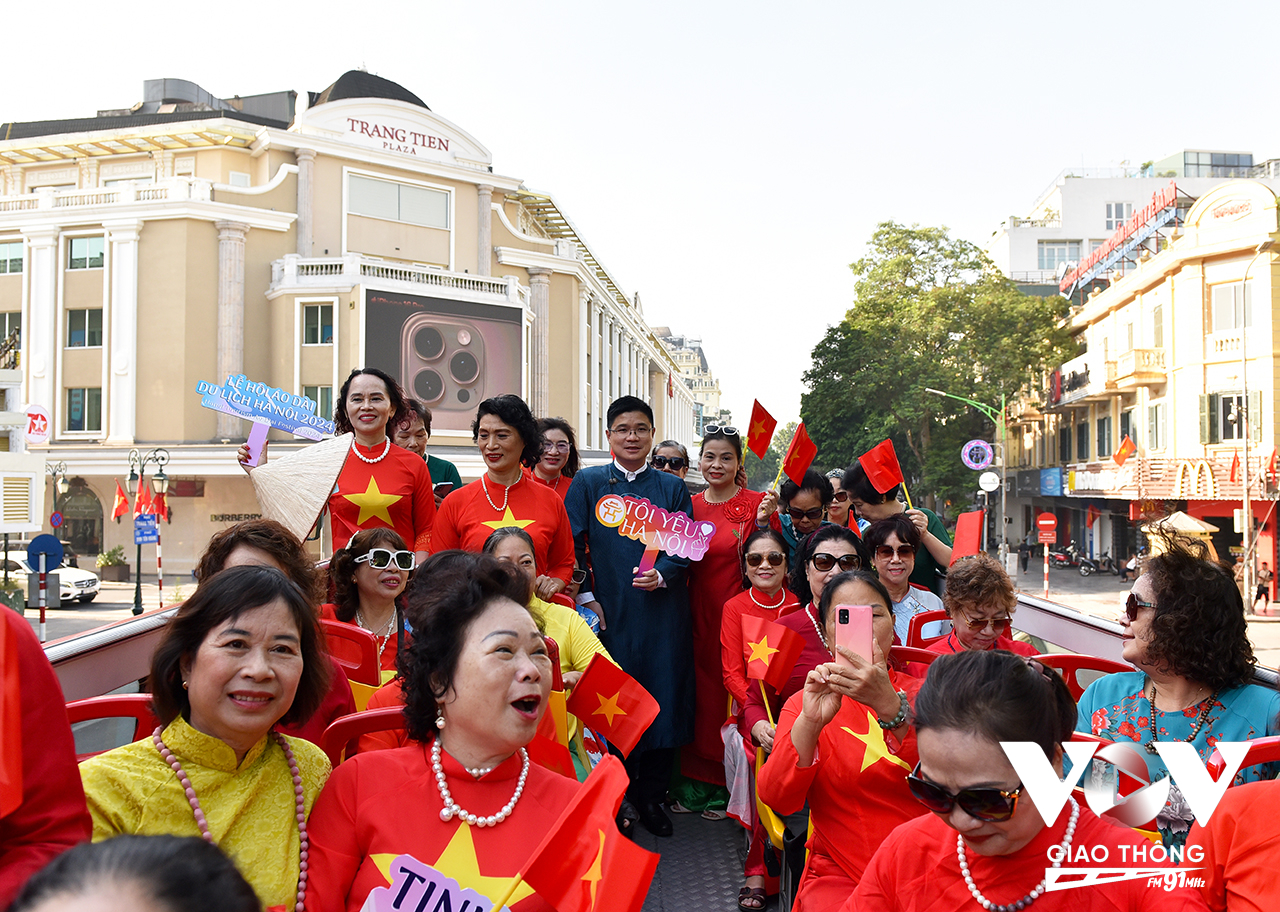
[
  {"x": 355, "y": 649},
  {"x": 1070, "y": 664},
  {"x": 115, "y": 706},
  {"x": 339, "y": 739},
  {"x": 916, "y": 636},
  {"x": 1261, "y": 750}
]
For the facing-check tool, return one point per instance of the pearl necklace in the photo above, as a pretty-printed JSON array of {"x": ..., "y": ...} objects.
[
  {"x": 385, "y": 450},
  {"x": 1040, "y": 887},
  {"x": 782, "y": 597},
  {"x": 298, "y": 795},
  {"x": 380, "y": 640},
  {"x": 822, "y": 636},
  {"x": 506, "y": 493},
  {"x": 1204, "y": 717},
  {"x": 452, "y": 809}
]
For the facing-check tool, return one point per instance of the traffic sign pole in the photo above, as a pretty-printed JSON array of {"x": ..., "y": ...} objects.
[
  {"x": 159, "y": 570},
  {"x": 1046, "y": 570},
  {"x": 44, "y": 579},
  {"x": 1047, "y": 524}
]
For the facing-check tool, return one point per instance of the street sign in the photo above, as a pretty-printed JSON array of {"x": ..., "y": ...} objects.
[
  {"x": 1048, "y": 538},
  {"x": 977, "y": 455},
  {"x": 988, "y": 481},
  {"x": 38, "y": 424},
  {"x": 1046, "y": 522},
  {"x": 55, "y": 519},
  {"x": 50, "y": 547},
  {"x": 146, "y": 530}
]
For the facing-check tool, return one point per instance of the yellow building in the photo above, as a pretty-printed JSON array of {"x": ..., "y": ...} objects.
[{"x": 290, "y": 239}]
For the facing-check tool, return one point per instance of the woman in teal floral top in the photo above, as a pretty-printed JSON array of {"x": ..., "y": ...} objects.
[{"x": 1185, "y": 631}]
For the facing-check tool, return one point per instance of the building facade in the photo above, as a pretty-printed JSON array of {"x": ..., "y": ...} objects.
[
  {"x": 290, "y": 239},
  {"x": 695, "y": 372}
]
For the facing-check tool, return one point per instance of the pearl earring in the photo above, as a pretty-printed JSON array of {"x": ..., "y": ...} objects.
[{"x": 439, "y": 719}]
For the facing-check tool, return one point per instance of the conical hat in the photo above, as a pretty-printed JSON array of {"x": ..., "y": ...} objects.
[{"x": 294, "y": 489}]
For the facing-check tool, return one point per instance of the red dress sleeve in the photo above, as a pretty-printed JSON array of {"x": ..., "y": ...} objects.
[
  {"x": 735, "y": 677},
  {"x": 560, "y": 556},
  {"x": 424, "y": 508},
  {"x": 444, "y": 537},
  {"x": 335, "y": 855},
  {"x": 783, "y": 783}
]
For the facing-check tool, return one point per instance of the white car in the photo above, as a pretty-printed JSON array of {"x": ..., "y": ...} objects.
[{"x": 75, "y": 584}]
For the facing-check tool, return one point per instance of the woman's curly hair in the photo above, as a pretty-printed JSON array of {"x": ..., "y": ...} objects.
[
  {"x": 514, "y": 412},
  {"x": 1199, "y": 630},
  {"x": 462, "y": 586}
]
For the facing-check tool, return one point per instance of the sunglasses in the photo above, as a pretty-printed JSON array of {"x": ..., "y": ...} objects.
[
  {"x": 822, "y": 561},
  {"x": 1132, "y": 604},
  {"x": 902, "y": 552},
  {"x": 579, "y": 577},
  {"x": 840, "y": 496},
  {"x": 990, "y": 804},
  {"x": 1000, "y": 625},
  {"x": 661, "y": 462},
  {"x": 727, "y": 430},
  {"x": 382, "y": 558},
  {"x": 797, "y": 514},
  {"x": 755, "y": 559}
]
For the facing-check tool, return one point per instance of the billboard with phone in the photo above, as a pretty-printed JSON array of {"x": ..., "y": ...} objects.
[{"x": 448, "y": 354}]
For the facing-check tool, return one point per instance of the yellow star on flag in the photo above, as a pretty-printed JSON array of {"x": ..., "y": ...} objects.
[
  {"x": 762, "y": 650},
  {"x": 875, "y": 747},
  {"x": 373, "y": 503},
  {"x": 458, "y": 860},
  {"x": 595, "y": 872},
  {"x": 609, "y": 708},
  {"x": 508, "y": 519},
  {"x": 756, "y": 429}
]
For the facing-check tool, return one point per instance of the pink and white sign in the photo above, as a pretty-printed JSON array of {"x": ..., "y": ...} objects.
[
  {"x": 39, "y": 424},
  {"x": 639, "y": 520},
  {"x": 417, "y": 886}
]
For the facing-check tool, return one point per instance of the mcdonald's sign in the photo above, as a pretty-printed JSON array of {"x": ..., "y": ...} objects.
[{"x": 1194, "y": 480}]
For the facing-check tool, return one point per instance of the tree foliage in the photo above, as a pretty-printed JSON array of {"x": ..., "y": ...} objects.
[{"x": 929, "y": 311}]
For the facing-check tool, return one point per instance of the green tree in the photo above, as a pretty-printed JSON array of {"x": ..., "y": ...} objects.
[
  {"x": 929, "y": 311},
  {"x": 762, "y": 472}
]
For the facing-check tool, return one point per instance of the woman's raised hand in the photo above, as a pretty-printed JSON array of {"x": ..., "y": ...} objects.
[
  {"x": 821, "y": 698},
  {"x": 866, "y": 682},
  {"x": 242, "y": 456},
  {"x": 768, "y": 506}
]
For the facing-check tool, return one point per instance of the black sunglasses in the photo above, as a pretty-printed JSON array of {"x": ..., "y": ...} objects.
[
  {"x": 990, "y": 804},
  {"x": 1132, "y": 604},
  {"x": 823, "y": 561},
  {"x": 755, "y": 559},
  {"x": 888, "y": 552},
  {"x": 661, "y": 462},
  {"x": 797, "y": 514}
]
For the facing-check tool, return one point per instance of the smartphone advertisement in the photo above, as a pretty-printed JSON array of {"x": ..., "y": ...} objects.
[{"x": 448, "y": 354}]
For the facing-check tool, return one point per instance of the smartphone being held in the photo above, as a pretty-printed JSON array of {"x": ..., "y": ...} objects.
[
  {"x": 853, "y": 631},
  {"x": 443, "y": 488}
]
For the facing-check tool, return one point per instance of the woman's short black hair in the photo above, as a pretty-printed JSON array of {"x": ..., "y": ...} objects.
[
  {"x": 773, "y": 535},
  {"x": 222, "y": 598},
  {"x": 901, "y": 525},
  {"x": 809, "y": 546},
  {"x": 734, "y": 440},
  {"x": 850, "y": 576},
  {"x": 813, "y": 481},
  {"x": 855, "y": 481},
  {"x": 343, "y": 566},
  {"x": 177, "y": 873},
  {"x": 513, "y": 411},
  {"x": 497, "y": 535},
  {"x": 998, "y": 696},
  {"x": 1199, "y": 631},
  {"x": 460, "y": 590},
  {"x": 395, "y": 395},
  {"x": 559, "y": 424}
]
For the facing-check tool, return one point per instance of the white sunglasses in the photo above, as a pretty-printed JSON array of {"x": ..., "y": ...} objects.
[{"x": 382, "y": 558}]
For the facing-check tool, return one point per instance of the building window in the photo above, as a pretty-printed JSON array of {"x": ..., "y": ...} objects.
[
  {"x": 1222, "y": 417},
  {"x": 1232, "y": 307},
  {"x": 317, "y": 324},
  {"x": 84, "y": 409},
  {"x": 1157, "y": 326},
  {"x": 1127, "y": 428},
  {"x": 10, "y": 257},
  {"x": 1118, "y": 214},
  {"x": 398, "y": 202},
  {"x": 84, "y": 328},
  {"x": 322, "y": 396},
  {"x": 1064, "y": 444},
  {"x": 85, "y": 252},
  {"x": 1052, "y": 254},
  {"x": 1104, "y": 437},
  {"x": 1156, "y": 433},
  {"x": 1229, "y": 416},
  {"x": 240, "y": 179},
  {"x": 11, "y": 322},
  {"x": 1082, "y": 441}
]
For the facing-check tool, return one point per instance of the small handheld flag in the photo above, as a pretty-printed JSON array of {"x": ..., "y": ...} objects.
[
  {"x": 610, "y": 701},
  {"x": 760, "y": 430},
  {"x": 883, "y": 469},
  {"x": 800, "y": 455},
  {"x": 770, "y": 650}
]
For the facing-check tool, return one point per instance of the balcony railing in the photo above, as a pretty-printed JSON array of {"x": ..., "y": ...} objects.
[
  {"x": 294, "y": 271},
  {"x": 170, "y": 188},
  {"x": 1139, "y": 367}
]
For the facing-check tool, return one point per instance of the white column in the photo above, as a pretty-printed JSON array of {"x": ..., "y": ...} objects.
[
  {"x": 230, "y": 313},
  {"x": 306, "y": 159},
  {"x": 122, "y": 341},
  {"x": 40, "y": 324},
  {"x": 484, "y": 234},
  {"x": 601, "y": 403},
  {"x": 606, "y": 359},
  {"x": 584, "y": 368},
  {"x": 540, "y": 301}
]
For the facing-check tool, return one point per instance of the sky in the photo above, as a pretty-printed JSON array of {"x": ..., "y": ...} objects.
[{"x": 725, "y": 160}]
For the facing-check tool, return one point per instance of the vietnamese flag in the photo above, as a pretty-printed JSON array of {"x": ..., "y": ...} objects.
[
  {"x": 968, "y": 535},
  {"x": 882, "y": 468},
  {"x": 122, "y": 503},
  {"x": 800, "y": 455},
  {"x": 1235, "y": 465},
  {"x": 770, "y": 650},
  {"x": 1126, "y": 449},
  {"x": 760, "y": 430},
  {"x": 1091, "y": 516},
  {"x": 1271, "y": 467},
  {"x": 612, "y": 702},
  {"x": 10, "y": 721},
  {"x": 159, "y": 507},
  {"x": 583, "y": 863},
  {"x": 142, "y": 504}
]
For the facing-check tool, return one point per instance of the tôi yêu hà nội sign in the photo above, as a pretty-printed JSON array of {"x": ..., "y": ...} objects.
[{"x": 660, "y": 530}]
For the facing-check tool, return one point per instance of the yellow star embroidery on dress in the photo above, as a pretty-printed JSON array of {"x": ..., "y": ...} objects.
[
  {"x": 458, "y": 860},
  {"x": 508, "y": 519},
  {"x": 373, "y": 503},
  {"x": 876, "y": 748},
  {"x": 609, "y": 708},
  {"x": 596, "y": 871},
  {"x": 762, "y": 650}
]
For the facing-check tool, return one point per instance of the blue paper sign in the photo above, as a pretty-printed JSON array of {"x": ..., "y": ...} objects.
[
  {"x": 255, "y": 401},
  {"x": 146, "y": 530}
]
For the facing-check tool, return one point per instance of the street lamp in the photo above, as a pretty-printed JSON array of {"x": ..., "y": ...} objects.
[
  {"x": 58, "y": 471},
  {"x": 137, "y": 472},
  {"x": 1247, "y": 518},
  {"x": 998, "y": 419}
]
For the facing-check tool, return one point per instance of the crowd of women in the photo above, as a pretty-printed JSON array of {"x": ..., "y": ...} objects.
[{"x": 481, "y": 599}]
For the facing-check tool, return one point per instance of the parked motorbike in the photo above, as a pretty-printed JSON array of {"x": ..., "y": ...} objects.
[
  {"x": 1067, "y": 556},
  {"x": 1088, "y": 566}
]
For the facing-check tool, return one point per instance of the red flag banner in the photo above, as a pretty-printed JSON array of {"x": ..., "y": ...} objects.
[
  {"x": 159, "y": 507},
  {"x": 1235, "y": 465},
  {"x": 1271, "y": 468},
  {"x": 800, "y": 455},
  {"x": 583, "y": 863},
  {"x": 613, "y": 703},
  {"x": 968, "y": 537},
  {"x": 769, "y": 650},
  {"x": 760, "y": 430},
  {"x": 1091, "y": 516},
  {"x": 10, "y": 720},
  {"x": 142, "y": 504},
  {"x": 1126, "y": 449},
  {"x": 121, "y": 507},
  {"x": 882, "y": 468}
]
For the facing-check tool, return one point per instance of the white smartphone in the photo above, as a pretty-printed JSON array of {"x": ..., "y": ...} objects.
[{"x": 853, "y": 631}]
